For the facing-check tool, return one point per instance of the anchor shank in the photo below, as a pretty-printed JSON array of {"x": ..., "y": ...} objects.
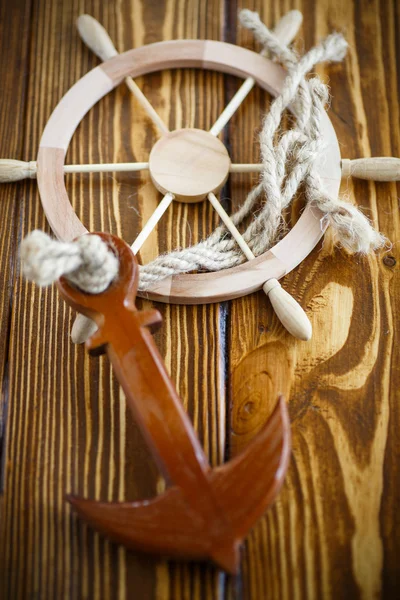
[{"x": 156, "y": 406}]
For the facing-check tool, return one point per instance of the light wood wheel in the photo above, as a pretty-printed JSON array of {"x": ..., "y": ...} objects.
[{"x": 197, "y": 288}]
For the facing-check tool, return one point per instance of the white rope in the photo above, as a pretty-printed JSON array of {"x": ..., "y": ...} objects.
[
  {"x": 88, "y": 263},
  {"x": 288, "y": 160}
]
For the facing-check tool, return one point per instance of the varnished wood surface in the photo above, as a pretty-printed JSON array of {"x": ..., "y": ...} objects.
[
  {"x": 205, "y": 513},
  {"x": 335, "y": 530}
]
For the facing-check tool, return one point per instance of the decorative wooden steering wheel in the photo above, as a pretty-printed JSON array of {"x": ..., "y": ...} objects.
[{"x": 206, "y": 164}]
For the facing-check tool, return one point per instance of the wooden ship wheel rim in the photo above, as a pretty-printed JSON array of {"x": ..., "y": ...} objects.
[{"x": 207, "y": 54}]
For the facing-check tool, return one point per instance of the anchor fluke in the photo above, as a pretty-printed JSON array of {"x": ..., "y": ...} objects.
[{"x": 241, "y": 490}]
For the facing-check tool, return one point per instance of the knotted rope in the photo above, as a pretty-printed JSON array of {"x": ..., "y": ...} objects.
[
  {"x": 288, "y": 160},
  {"x": 88, "y": 262}
]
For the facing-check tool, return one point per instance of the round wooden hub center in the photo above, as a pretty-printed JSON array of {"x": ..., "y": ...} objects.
[{"x": 189, "y": 163}]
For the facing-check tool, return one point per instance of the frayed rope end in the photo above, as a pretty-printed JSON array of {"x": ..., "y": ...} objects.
[{"x": 354, "y": 230}]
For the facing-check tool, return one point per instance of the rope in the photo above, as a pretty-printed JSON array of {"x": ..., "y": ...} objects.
[
  {"x": 88, "y": 263},
  {"x": 288, "y": 160},
  {"x": 288, "y": 163}
]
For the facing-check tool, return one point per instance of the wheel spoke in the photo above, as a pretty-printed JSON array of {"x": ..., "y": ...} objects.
[
  {"x": 107, "y": 168},
  {"x": 287, "y": 309},
  {"x": 97, "y": 39},
  {"x": 245, "y": 168},
  {"x": 152, "y": 222},
  {"x": 15, "y": 170},
  {"x": 149, "y": 109},
  {"x": 84, "y": 327},
  {"x": 285, "y": 30},
  {"x": 230, "y": 226},
  {"x": 232, "y": 106}
]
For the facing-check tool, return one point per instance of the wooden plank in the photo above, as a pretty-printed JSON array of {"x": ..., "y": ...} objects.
[
  {"x": 13, "y": 21},
  {"x": 332, "y": 533},
  {"x": 68, "y": 428},
  {"x": 14, "y": 48}
]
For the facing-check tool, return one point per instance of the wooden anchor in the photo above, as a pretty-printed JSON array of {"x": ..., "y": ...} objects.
[{"x": 205, "y": 513}]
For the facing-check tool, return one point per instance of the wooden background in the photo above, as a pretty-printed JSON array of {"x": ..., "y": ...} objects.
[{"x": 335, "y": 529}]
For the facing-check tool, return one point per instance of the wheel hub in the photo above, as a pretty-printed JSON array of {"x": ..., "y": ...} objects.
[{"x": 189, "y": 163}]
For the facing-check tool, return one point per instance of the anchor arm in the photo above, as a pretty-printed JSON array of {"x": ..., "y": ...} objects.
[{"x": 245, "y": 488}]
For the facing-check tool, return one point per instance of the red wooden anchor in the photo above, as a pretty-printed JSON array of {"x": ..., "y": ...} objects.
[{"x": 206, "y": 513}]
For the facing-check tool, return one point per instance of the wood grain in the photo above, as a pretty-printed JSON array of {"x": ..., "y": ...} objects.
[
  {"x": 334, "y": 532},
  {"x": 13, "y": 84}
]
